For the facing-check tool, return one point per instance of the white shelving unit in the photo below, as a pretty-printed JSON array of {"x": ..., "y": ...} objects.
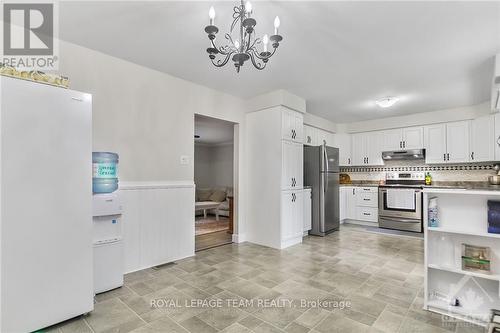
[{"x": 463, "y": 219}]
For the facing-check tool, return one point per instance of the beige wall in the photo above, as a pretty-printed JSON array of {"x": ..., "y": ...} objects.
[
  {"x": 213, "y": 165},
  {"x": 144, "y": 115},
  {"x": 417, "y": 119}
]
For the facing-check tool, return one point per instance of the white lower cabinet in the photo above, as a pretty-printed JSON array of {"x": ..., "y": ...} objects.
[
  {"x": 292, "y": 216},
  {"x": 359, "y": 203},
  {"x": 307, "y": 198},
  {"x": 368, "y": 214}
]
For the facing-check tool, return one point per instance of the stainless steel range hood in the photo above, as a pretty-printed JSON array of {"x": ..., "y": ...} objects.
[{"x": 411, "y": 154}]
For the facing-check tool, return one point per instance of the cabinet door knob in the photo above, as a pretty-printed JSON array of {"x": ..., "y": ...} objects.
[
  {"x": 444, "y": 157},
  {"x": 448, "y": 156},
  {"x": 400, "y": 144},
  {"x": 472, "y": 156},
  {"x": 349, "y": 160}
]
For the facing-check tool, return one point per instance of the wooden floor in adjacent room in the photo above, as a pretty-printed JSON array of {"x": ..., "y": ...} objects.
[{"x": 211, "y": 233}]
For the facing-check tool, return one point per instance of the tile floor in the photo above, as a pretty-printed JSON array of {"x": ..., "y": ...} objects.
[{"x": 381, "y": 276}]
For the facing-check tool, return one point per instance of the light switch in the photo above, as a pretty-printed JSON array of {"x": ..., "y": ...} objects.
[{"x": 184, "y": 160}]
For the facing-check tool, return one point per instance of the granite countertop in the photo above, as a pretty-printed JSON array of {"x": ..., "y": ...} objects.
[
  {"x": 438, "y": 184},
  {"x": 367, "y": 183},
  {"x": 465, "y": 185}
]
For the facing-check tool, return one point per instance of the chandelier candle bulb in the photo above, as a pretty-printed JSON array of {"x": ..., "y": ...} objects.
[
  {"x": 265, "y": 41},
  {"x": 211, "y": 14},
  {"x": 248, "y": 8},
  {"x": 276, "y": 25}
]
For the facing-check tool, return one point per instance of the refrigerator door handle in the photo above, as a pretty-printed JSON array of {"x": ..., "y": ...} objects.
[{"x": 326, "y": 159}]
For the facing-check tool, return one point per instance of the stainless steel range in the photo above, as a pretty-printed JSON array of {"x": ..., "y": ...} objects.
[{"x": 400, "y": 201}]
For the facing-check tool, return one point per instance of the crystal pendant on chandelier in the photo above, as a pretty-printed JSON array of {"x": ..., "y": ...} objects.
[{"x": 245, "y": 47}]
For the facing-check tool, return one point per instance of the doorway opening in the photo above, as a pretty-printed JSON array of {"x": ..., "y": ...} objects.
[{"x": 214, "y": 180}]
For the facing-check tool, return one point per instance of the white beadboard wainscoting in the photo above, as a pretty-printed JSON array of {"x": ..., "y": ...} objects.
[{"x": 158, "y": 222}]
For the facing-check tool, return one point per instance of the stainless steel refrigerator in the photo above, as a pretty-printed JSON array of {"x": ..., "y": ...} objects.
[{"x": 321, "y": 172}]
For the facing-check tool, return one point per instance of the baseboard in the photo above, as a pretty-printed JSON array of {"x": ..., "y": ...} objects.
[
  {"x": 290, "y": 242},
  {"x": 239, "y": 238}
]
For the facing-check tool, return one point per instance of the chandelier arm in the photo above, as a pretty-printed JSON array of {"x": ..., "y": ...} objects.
[
  {"x": 256, "y": 64},
  {"x": 263, "y": 58},
  {"x": 224, "y": 50},
  {"x": 220, "y": 63},
  {"x": 234, "y": 21},
  {"x": 255, "y": 41}
]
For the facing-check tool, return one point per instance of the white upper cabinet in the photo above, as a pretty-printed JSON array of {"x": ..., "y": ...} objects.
[
  {"x": 310, "y": 136},
  {"x": 413, "y": 137},
  {"x": 316, "y": 137},
  {"x": 447, "y": 143},
  {"x": 403, "y": 138},
  {"x": 292, "y": 126},
  {"x": 374, "y": 148},
  {"x": 343, "y": 142},
  {"x": 435, "y": 143},
  {"x": 392, "y": 139},
  {"x": 367, "y": 148},
  {"x": 457, "y": 142},
  {"x": 358, "y": 149},
  {"x": 496, "y": 139},
  {"x": 329, "y": 139},
  {"x": 482, "y": 139}
]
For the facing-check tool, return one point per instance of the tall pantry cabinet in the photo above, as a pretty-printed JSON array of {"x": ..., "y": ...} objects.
[{"x": 275, "y": 177}]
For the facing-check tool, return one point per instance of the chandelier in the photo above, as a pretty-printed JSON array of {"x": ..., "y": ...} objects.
[{"x": 244, "y": 47}]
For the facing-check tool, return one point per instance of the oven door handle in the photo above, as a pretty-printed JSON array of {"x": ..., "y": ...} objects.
[{"x": 397, "y": 219}]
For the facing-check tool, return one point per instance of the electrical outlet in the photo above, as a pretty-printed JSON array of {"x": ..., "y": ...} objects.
[{"x": 184, "y": 160}]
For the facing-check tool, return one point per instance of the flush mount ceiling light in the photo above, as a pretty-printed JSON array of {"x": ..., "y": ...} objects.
[
  {"x": 387, "y": 102},
  {"x": 243, "y": 46}
]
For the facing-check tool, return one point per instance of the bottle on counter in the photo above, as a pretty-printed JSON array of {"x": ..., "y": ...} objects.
[
  {"x": 428, "y": 178},
  {"x": 432, "y": 212}
]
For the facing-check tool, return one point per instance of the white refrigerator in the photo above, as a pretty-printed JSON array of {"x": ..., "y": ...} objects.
[{"x": 45, "y": 205}]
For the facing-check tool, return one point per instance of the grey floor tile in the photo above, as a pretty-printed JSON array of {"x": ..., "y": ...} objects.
[
  {"x": 250, "y": 322},
  {"x": 337, "y": 323},
  {"x": 414, "y": 326},
  {"x": 113, "y": 315},
  {"x": 221, "y": 318},
  {"x": 161, "y": 326},
  {"x": 236, "y": 328},
  {"x": 388, "y": 322},
  {"x": 312, "y": 317},
  {"x": 196, "y": 325}
]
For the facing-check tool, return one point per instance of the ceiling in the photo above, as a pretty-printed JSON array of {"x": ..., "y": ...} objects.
[
  {"x": 212, "y": 131},
  {"x": 339, "y": 56}
]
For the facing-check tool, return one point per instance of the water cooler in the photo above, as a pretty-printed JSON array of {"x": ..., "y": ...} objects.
[
  {"x": 107, "y": 228},
  {"x": 108, "y": 242}
]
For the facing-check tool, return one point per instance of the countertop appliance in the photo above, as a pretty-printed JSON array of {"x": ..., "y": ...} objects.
[
  {"x": 46, "y": 206},
  {"x": 400, "y": 201},
  {"x": 108, "y": 242},
  {"x": 321, "y": 172}
]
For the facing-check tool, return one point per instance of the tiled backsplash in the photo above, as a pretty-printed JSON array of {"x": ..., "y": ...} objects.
[{"x": 446, "y": 172}]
